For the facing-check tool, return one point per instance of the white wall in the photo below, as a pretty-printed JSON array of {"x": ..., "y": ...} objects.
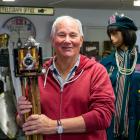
[{"x": 94, "y": 24}]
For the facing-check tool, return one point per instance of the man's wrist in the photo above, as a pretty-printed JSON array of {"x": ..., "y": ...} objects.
[{"x": 59, "y": 128}]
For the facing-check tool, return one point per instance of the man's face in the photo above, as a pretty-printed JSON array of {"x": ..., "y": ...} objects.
[
  {"x": 116, "y": 38},
  {"x": 67, "y": 39}
]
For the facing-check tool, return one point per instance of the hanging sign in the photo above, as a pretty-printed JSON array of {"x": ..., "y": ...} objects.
[{"x": 26, "y": 10}]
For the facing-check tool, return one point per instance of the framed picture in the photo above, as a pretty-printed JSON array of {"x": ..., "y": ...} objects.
[
  {"x": 107, "y": 48},
  {"x": 91, "y": 49}
]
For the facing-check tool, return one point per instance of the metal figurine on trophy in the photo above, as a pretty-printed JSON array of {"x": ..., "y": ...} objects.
[{"x": 28, "y": 65}]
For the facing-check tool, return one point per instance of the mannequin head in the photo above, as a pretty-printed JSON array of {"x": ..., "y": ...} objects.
[{"x": 122, "y": 31}]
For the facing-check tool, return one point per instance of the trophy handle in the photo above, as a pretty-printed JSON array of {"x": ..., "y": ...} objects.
[{"x": 30, "y": 90}]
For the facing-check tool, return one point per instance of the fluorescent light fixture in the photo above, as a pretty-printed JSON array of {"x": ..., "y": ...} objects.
[
  {"x": 8, "y": 0},
  {"x": 136, "y": 3}
]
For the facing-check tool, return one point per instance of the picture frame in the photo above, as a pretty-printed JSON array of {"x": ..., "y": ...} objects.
[
  {"x": 107, "y": 48},
  {"x": 91, "y": 49}
]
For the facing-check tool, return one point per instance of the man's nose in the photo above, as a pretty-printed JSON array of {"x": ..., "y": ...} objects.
[
  {"x": 67, "y": 38},
  {"x": 111, "y": 37}
]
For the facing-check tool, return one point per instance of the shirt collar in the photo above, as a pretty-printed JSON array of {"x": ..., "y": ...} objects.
[{"x": 54, "y": 69}]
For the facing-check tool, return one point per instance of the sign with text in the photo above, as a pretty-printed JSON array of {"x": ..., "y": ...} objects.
[{"x": 26, "y": 10}]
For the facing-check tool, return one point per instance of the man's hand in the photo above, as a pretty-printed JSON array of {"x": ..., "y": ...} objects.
[
  {"x": 39, "y": 124},
  {"x": 23, "y": 106}
]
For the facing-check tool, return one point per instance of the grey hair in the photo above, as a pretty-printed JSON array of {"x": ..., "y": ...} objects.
[{"x": 63, "y": 18}]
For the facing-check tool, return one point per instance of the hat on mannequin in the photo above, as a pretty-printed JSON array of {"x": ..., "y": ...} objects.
[{"x": 121, "y": 22}]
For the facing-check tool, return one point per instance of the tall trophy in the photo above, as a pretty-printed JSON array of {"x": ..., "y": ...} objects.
[
  {"x": 8, "y": 127},
  {"x": 28, "y": 66}
]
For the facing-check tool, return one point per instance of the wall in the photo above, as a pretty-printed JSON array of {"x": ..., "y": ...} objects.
[{"x": 94, "y": 24}]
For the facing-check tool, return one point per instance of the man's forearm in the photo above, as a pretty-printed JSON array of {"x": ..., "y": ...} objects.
[{"x": 74, "y": 125}]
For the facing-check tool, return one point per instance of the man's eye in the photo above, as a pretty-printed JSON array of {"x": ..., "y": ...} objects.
[
  {"x": 61, "y": 35},
  {"x": 73, "y": 35}
]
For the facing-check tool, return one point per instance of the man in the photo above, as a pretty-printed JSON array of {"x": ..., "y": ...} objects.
[
  {"x": 77, "y": 99},
  {"x": 121, "y": 66}
]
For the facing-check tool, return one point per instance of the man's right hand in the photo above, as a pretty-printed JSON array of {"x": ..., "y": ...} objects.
[{"x": 23, "y": 106}]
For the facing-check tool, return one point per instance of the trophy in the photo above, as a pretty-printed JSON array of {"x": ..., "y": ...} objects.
[
  {"x": 28, "y": 59},
  {"x": 28, "y": 65},
  {"x": 7, "y": 99},
  {"x": 4, "y": 38}
]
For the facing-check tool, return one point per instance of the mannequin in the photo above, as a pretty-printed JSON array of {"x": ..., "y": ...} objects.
[{"x": 121, "y": 66}]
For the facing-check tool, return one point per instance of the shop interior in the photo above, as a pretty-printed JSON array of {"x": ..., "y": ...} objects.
[{"x": 23, "y": 18}]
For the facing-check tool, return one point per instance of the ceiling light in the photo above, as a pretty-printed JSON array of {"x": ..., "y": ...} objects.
[
  {"x": 136, "y": 3},
  {"x": 8, "y": 0}
]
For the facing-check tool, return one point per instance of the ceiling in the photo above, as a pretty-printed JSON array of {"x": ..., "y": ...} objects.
[{"x": 78, "y": 4}]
